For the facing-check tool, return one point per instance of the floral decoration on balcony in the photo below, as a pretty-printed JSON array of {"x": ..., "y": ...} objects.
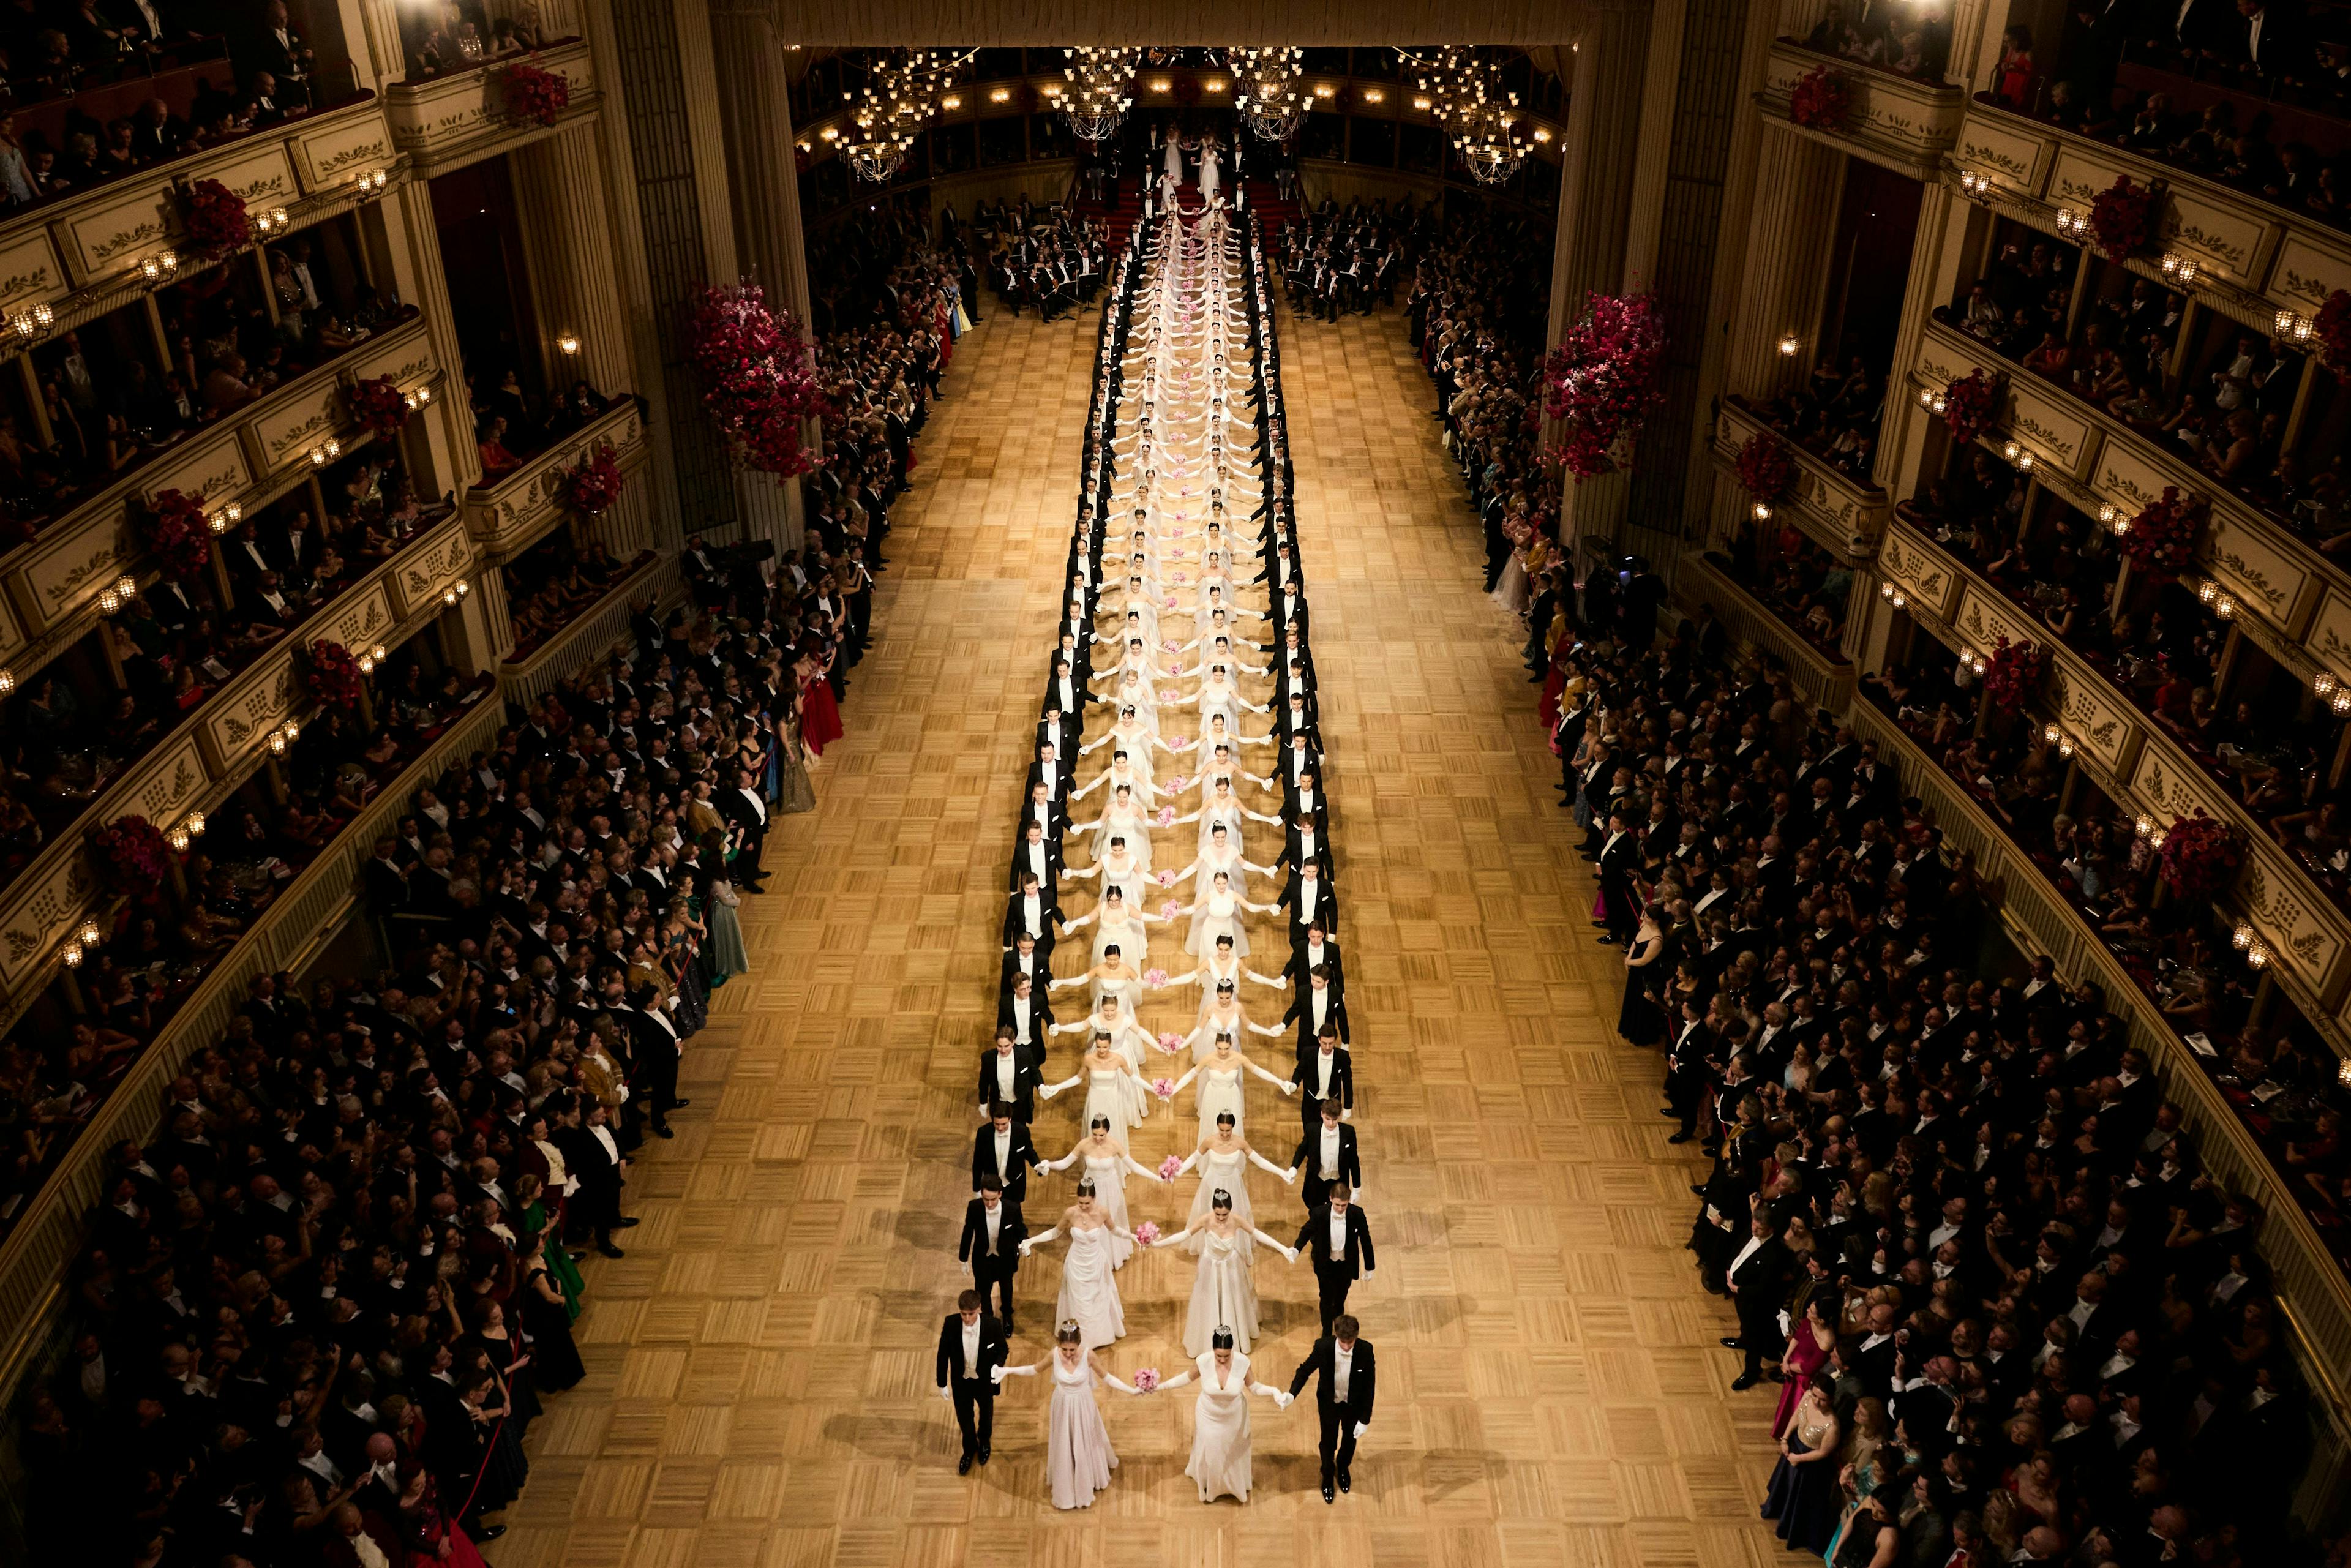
[
  {"x": 596, "y": 484},
  {"x": 1967, "y": 405},
  {"x": 2012, "y": 673},
  {"x": 216, "y": 221},
  {"x": 2122, "y": 218},
  {"x": 178, "y": 537},
  {"x": 2161, "y": 539},
  {"x": 378, "y": 404},
  {"x": 759, "y": 378},
  {"x": 334, "y": 675},
  {"x": 1600, "y": 382},
  {"x": 534, "y": 94},
  {"x": 2332, "y": 330},
  {"x": 1765, "y": 469},
  {"x": 131, "y": 856},
  {"x": 2201, "y": 857},
  {"x": 1821, "y": 99}
]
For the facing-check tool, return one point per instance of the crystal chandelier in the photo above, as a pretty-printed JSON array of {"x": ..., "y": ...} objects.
[
  {"x": 1479, "y": 115},
  {"x": 902, "y": 93},
  {"x": 1270, "y": 91},
  {"x": 1098, "y": 99}
]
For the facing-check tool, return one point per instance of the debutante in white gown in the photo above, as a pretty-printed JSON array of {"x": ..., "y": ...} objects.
[
  {"x": 1127, "y": 932},
  {"x": 1089, "y": 1287},
  {"x": 1226, "y": 1174},
  {"x": 1216, "y": 913},
  {"x": 1211, "y": 175},
  {"x": 1077, "y": 1455},
  {"x": 1216, "y": 1091},
  {"x": 1109, "y": 1174},
  {"x": 1120, "y": 1096},
  {"x": 1219, "y": 1465},
  {"x": 1224, "y": 1294}
]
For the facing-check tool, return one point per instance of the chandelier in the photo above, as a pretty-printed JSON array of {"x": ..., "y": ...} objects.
[
  {"x": 1272, "y": 93},
  {"x": 1479, "y": 114},
  {"x": 1097, "y": 100},
  {"x": 902, "y": 93}
]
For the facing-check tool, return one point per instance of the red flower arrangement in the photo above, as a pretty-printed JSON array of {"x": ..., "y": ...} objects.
[
  {"x": 378, "y": 404},
  {"x": 595, "y": 484},
  {"x": 2201, "y": 857},
  {"x": 2013, "y": 673},
  {"x": 130, "y": 855},
  {"x": 1765, "y": 469},
  {"x": 2121, "y": 217},
  {"x": 217, "y": 221},
  {"x": 534, "y": 93},
  {"x": 1821, "y": 99},
  {"x": 334, "y": 675},
  {"x": 2162, "y": 538},
  {"x": 1967, "y": 405},
  {"x": 2332, "y": 328},
  {"x": 178, "y": 537},
  {"x": 1601, "y": 380},
  {"x": 759, "y": 378}
]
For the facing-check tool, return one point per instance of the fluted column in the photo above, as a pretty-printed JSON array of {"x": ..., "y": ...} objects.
[
  {"x": 1791, "y": 230},
  {"x": 371, "y": 33},
  {"x": 408, "y": 251},
  {"x": 558, "y": 182}
]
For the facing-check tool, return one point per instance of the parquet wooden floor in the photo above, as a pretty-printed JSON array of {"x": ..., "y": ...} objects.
[{"x": 760, "y": 1388}]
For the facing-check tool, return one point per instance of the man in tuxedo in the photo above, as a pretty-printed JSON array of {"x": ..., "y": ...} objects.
[
  {"x": 1342, "y": 1359},
  {"x": 1310, "y": 901},
  {"x": 1758, "y": 1281},
  {"x": 1024, "y": 956},
  {"x": 1340, "y": 1240},
  {"x": 1319, "y": 951},
  {"x": 1002, "y": 1151},
  {"x": 1686, "y": 1070},
  {"x": 747, "y": 815},
  {"x": 1030, "y": 910},
  {"x": 971, "y": 1346},
  {"x": 592, "y": 1155},
  {"x": 1324, "y": 1070},
  {"x": 1010, "y": 1076},
  {"x": 1329, "y": 1156},
  {"x": 1028, "y": 1014},
  {"x": 1620, "y": 855},
  {"x": 1316, "y": 1006},
  {"x": 654, "y": 1042}
]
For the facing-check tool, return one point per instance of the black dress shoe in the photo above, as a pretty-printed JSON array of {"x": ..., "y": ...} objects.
[
  {"x": 1008, "y": 1323},
  {"x": 1730, "y": 1342},
  {"x": 986, "y": 1453},
  {"x": 481, "y": 1532},
  {"x": 608, "y": 1251},
  {"x": 1742, "y": 1383},
  {"x": 1607, "y": 941},
  {"x": 1346, "y": 1482},
  {"x": 680, "y": 1103},
  {"x": 664, "y": 1130},
  {"x": 963, "y": 1466},
  {"x": 627, "y": 1222},
  {"x": 1328, "y": 1495},
  {"x": 1679, "y": 1138}
]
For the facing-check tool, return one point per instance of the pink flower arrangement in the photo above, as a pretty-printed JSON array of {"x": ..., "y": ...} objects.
[
  {"x": 2201, "y": 857},
  {"x": 1171, "y": 1042},
  {"x": 1601, "y": 380},
  {"x": 1170, "y": 1168},
  {"x": 1180, "y": 577},
  {"x": 1147, "y": 1378},
  {"x": 2161, "y": 541},
  {"x": 1967, "y": 405},
  {"x": 130, "y": 855},
  {"x": 178, "y": 537},
  {"x": 2121, "y": 217},
  {"x": 1154, "y": 978},
  {"x": 534, "y": 94},
  {"x": 2013, "y": 673},
  {"x": 1165, "y": 878},
  {"x": 1145, "y": 1234},
  {"x": 2332, "y": 331},
  {"x": 1166, "y": 818},
  {"x": 1821, "y": 99},
  {"x": 1175, "y": 669},
  {"x": 216, "y": 222},
  {"x": 1765, "y": 469},
  {"x": 1179, "y": 781},
  {"x": 1171, "y": 601},
  {"x": 759, "y": 378},
  {"x": 1167, "y": 644},
  {"x": 1182, "y": 745},
  {"x": 1170, "y": 909},
  {"x": 1164, "y": 1087},
  {"x": 334, "y": 675},
  {"x": 596, "y": 484},
  {"x": 378, "y": 404}
]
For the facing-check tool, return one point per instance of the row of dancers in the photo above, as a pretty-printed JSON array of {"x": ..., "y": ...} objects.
[{"x": 1186, "y": 355}]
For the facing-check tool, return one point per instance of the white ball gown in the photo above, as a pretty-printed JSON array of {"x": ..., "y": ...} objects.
[
  {"x": 1224, "y": 1292},
  {"x": 1217, "y": 914},
  {"x": 1090, "y": 1288},
  {"x": 1077, "y": 1455},
  {"x": 1219, "y": 1465}
]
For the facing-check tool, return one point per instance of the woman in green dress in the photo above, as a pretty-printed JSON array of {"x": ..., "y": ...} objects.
[{"x": 724, "y": 953}]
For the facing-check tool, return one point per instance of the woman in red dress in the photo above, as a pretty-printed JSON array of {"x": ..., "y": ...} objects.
[
  {"x": 1807, "y": 1352},
  {"x": 434, "y": 1539},
  {"x": 820, "y": 714}
]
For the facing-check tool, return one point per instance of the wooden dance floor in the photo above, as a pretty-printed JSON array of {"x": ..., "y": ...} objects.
[{"x": 760, "y": 1387}]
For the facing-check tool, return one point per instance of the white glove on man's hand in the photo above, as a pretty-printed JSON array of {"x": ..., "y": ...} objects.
[{"x": 1362, "y": 1428}]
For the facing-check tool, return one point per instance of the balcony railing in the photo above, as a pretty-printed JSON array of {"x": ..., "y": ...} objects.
[
  {"x": 249, "y": 457},
  {"x": 220, "y": 742},
  {"x": 1843, "y": 516},
  {"x": 2254, "y": 259},
  {"x": 2090, "y": 457},
  {"x": 507, "y": 516},
  {"x": 446, "y": 123},
  {"x": 525, "y": 676},
  {"x": 1822, "y": 681},
  {"x": 80, "y": 255},
  {"x": 304, "y": 918},
  {"x": 1907, "y": 124},
  {"x": 2041, "y": 920}
]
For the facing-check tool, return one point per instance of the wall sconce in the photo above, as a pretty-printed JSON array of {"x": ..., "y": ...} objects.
[
  {"x": 2108, "y": 513},
  {"x": 1325, "y": 89},
  {"x": 567, "y": 344},
  {"x": 2071, "y": 224},
  {"x": 1938, "y": 402},
  {"x": 366, "y": 663},
  {"x": 2024, "y": 460},
  {"x": 160, "y": 268},
  {"x": 1542, "y": 134},
  {"x": 806, "y": 148},
  {"x": 2342, "y": 1073},
  {"x": 368, "y": 182},
  {"x": 1161, "y": 84},
  {"x": 1053, "y": 89},
  {"x": 1926, "y": 398},
  {"x": 1002, "y": 94},
  {"x": 2209, "y": 591},
  {"x": 2257, "y": 957},
  {"x": 829, "y": 133},
  {"x": 71, "y": 955},
  {"x": 108, "y": 601},
  {"x": 195, "y": 824},
  {"x": 1974, "y": 186},
  {"x": 1374, "y": 95},
  {"x": 88, "y": 933},
  {"x": 7, "y": 682},
  {"x": 1789, "y": 344},
  {"x": 952, "y": 100},
  {"x": 449, "y": 597},
  {"x": 126, "y": 588},
  {"x": 1218, "y": 84},
  {"x": 34, "y": 322},
  {"x": 276, "y": 743},
  {"x": 1976, "y": 665},
  {"x": 178, "y": 839},
  {"x": 2050, "y": 732},
  {"x": 2009, "y": 450},
  {"x": 2224, "y": 607},
  {"x": 2323, "y": 684},
  {"x": 1421, "y": 104},
  {"x": 2341, "y": 701},
  {"x": 2181, "y": 269},
  {"x": 2144, "y": 825},
  {"x": 1763, "y": 511},
  {"x": 326, "y": 452}
]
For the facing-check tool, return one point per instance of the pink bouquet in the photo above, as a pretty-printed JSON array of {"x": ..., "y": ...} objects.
[
  {"x": 1179, "y": 781},
  {"x": 1147, "y": 1378},
  {"x": 1144, "y": 1234},
  {"x": 1155, "y": 978},
  {"x": 1171, "y": 601},
  {"x": 1169, "y": 1167},
  {"x": 1184, "y": 745},
  {"x": 1164, "y": 1087},
  {"x": 1175, "y": 669},
  {"x": 1169, "y": 910},
  {"x": 1167, "y": 644},
  {"x": 1167, "y": 877},
  {"x": 1180, "y": 577},
  {"x": 1166, "y": 816},
  {"x": 1171, "y": 1042}
]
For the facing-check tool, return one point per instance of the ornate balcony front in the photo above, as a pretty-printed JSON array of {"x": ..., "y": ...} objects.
[
  {"x": 446, "y": 123},
  {"x": 1843, "y": 515},
  {"x": 508, "y": 516},
  {"x": 1821, "y": 680},
  {"x": 1907, "y": 124}
]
